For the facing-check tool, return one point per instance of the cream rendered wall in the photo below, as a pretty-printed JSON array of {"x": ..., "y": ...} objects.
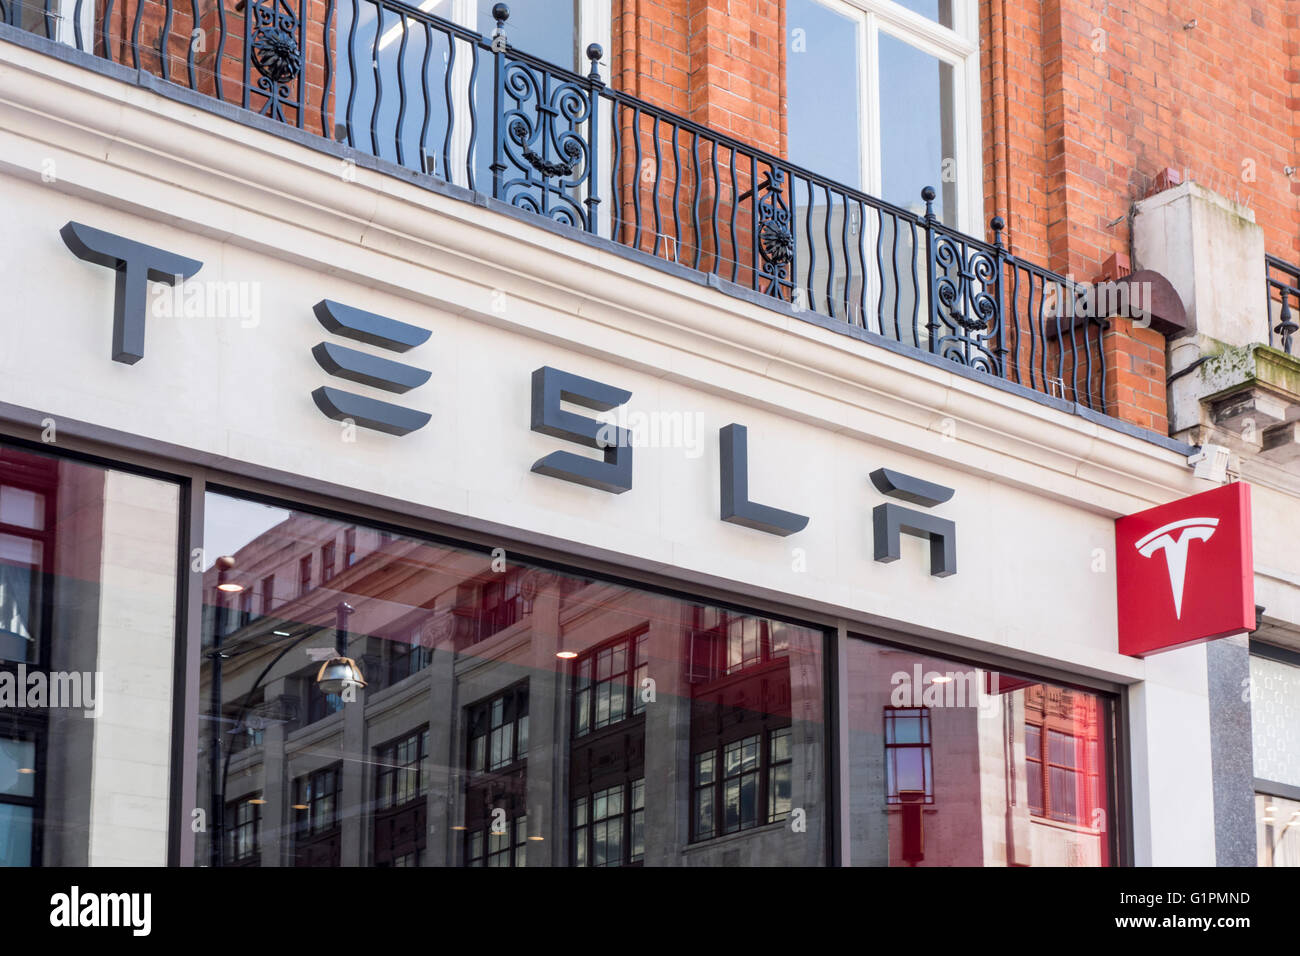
[{"x": 1036, "y": 489}]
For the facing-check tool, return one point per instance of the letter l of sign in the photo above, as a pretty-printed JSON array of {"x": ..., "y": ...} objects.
[{"x": 733, "y": 441}]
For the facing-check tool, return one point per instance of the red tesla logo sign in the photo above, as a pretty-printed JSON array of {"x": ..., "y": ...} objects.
[{"x": 1185, "y": 573}]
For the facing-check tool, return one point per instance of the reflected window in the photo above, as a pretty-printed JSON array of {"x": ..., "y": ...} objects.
[
  {"x": 400, "y": 811},
  {"x": 908, "y": 766},
  {"x": 609, "y": 826},
  {"x": 608, "y": 682},
  {"x": 18, "y": 798},
  {"x": 498, "y": 731},
  {"x": 495, "y": 805},
  {"x": 243, "y": 834},
  {"x": 740, "y": 720},
  {"x": 316, "y": 805},
  {"x": 304, "y": 575},
  {"x": 268, "y": 594},
  {"x": 327, "y": 561},
  {"x": 405, "y": 655}
]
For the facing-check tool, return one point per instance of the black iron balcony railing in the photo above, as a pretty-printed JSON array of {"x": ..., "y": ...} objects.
[
  {"x": 392, "y": 80},
  {"x": 1283, "y": 282}
]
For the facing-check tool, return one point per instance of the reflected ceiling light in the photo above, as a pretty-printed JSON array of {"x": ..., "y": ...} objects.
[
  {"x": 943, "y": 679},
  {"x": 338, "y": 674},
  {"x": 26, "y": 770},
  {"x": 538, "y": 838},
  {"x": 224, "y": 564},
  {"x": 280, "y": 633},
  {"x": 458, "y": 828},
  {"x": 300, "y": 806},
  {"x": 257, "y": 802},
  {"x": 566, "y": 655}
]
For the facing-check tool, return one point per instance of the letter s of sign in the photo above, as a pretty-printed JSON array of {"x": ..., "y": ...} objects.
[
  {"x": 135, "y": 264},
  {"x": 550, "y": 388}
]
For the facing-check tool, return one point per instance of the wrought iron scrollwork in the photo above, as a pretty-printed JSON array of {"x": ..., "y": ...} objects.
[
  {"x": 273, "y": 48},
  {"x": 776, "y": 243},
  {"x": 1286, "y": 326},
  {"x": 965, "y": 285},
  {"x": 545, "y": 150}
]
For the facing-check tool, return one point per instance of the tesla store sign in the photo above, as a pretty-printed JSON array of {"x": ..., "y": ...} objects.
[
  {"x": 136, "y": 264},
  {"x": 1185, "y": 571}
]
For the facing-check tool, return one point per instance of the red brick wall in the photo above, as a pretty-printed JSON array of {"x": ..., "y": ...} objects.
[
  {"x": 717, "y": 62},
  {"x": 1088, "y": 101},
  {"x": 143, "y": 45},
  {"x": 1101, "y": 97}
]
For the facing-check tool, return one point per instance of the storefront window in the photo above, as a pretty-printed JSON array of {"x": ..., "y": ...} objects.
[
  {"x": 1275, "y": 729},
  {"x": 88, "y": 571},
  {"x": 511, "y": 715},
  {"x": 954, "y": 765}
]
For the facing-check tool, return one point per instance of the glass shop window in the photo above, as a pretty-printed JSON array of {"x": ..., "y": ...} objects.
[
  {"x": 88, "y": 571},
  {"x": 972, "y": 767},
  {"x": 451, "y": 741},
  {"x": 1275, "y": 731}
]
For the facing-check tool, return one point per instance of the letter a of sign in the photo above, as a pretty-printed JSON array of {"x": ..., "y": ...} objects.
[{"x": 1185, "y": 572}]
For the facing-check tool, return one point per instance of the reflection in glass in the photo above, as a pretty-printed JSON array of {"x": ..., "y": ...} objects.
[
  {"x": 940, "y": 11},
  {"x": 511, "y": 717},
  {"x": 1277, "y": 834},
  {"x": 953, "y": 765},
  {"x": 822, "y": 86},
  {"x": 88, "y": 568},
  {"x": 1275, "y": 731},
  {"x": 917, "y": 128}
]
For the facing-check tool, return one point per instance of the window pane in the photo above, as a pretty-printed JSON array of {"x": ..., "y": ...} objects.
[
  {"x": 822, "y": 86},
  {"x": 545, "y": 28},
  {"x": 917, "y": 128},
  {"x": 1275, "y": 720},
  {"x": 15, "y": 835},
  {"x": 17, "y": 767},
  {"x": 939, "y": 11}
]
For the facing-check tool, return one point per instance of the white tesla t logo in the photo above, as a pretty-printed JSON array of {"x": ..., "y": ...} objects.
[{"x": 1173, "y": 540}]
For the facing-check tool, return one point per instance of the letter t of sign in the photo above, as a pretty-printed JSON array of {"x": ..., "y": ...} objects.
[{"x": 135, "y": 264}]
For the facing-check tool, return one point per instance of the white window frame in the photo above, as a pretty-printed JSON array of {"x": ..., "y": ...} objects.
[
  {"x": 64, "y": 14},
  {"x": 958, "y": 46}
]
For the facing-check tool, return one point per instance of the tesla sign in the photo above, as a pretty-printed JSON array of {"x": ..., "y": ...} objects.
[{"x": 1185, "y": 573}]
